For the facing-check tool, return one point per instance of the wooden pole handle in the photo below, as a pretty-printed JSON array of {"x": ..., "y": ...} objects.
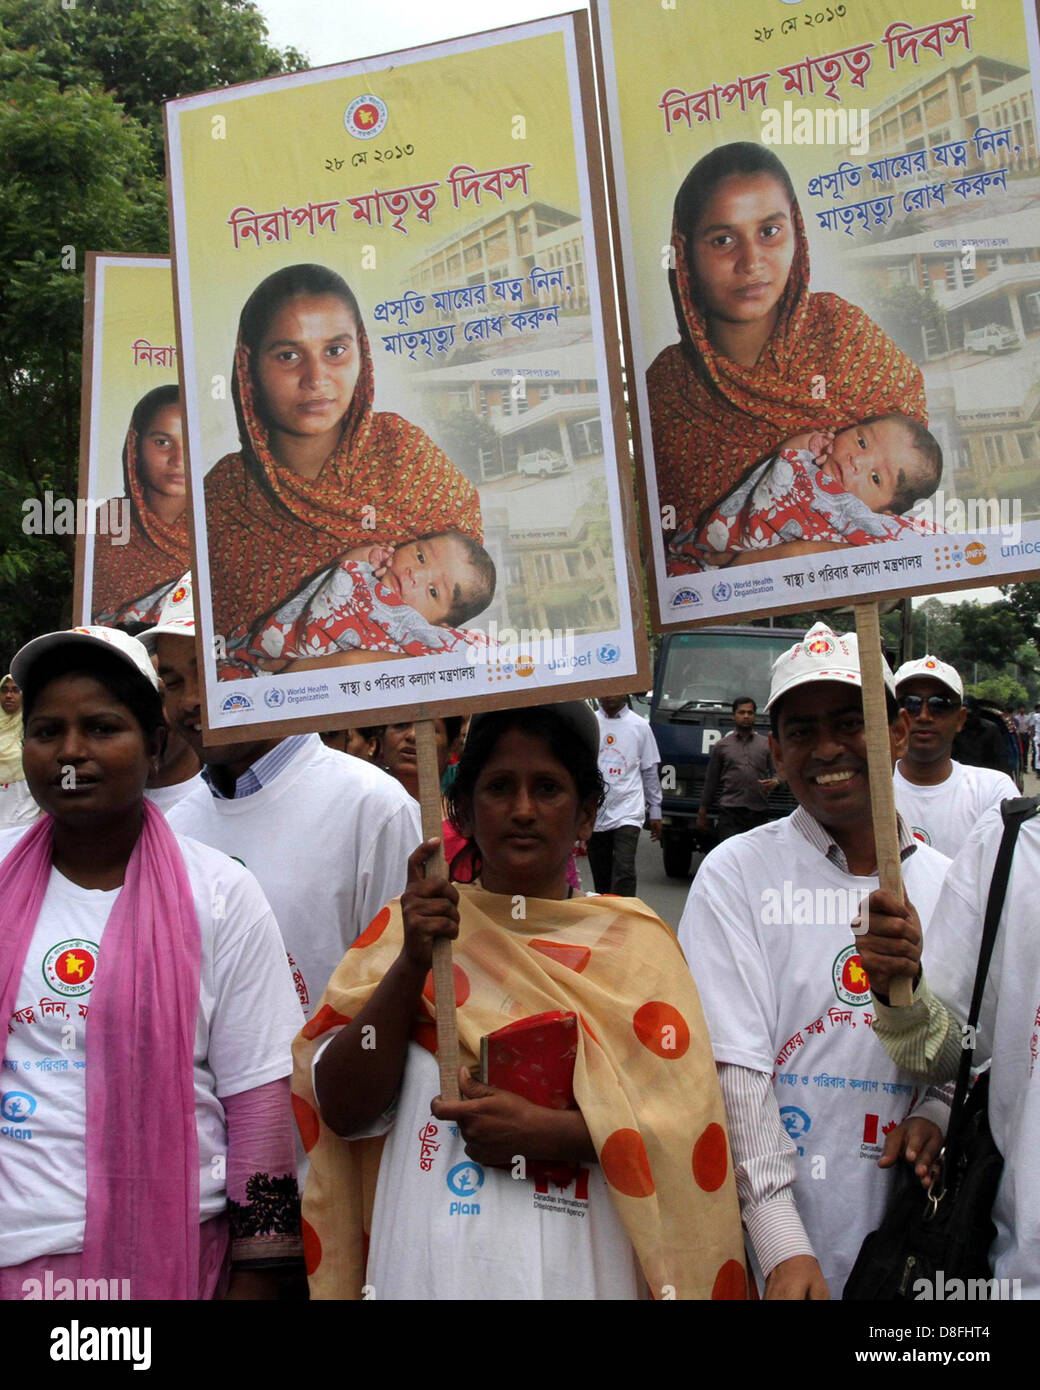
[
  {"x": 436, "y": 867},
  {"x": 879, "y": 766}
]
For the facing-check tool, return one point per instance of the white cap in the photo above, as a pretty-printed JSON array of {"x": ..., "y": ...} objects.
[
  {"x": 124, "y": 646},
  {"x": 821, "y": 655},
  {"x": 931, "y": 668},
  {"x": 176, "y": 616}
]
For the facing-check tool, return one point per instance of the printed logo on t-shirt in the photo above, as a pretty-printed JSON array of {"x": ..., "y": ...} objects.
[
  {"x": 921, "y": 834},
  {"x": 850, "y": 979},
  {"x": 797, "y": 1123},
  {"x": 465, "y": 1180},
  {"x": 69, "y": 967},
  {"x": 16, "y": 1107},
  {"x": 552, "y": 1197},
  {"x": 871, "y": 1146}
]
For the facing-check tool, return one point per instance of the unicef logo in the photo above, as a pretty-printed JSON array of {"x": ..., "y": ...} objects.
[
  {"x": 235, "y": 702},
  {"x": 274, "y": 698},
  {"x": 17, "y": 1105},
  {"x": 721, "y": 591},
  {"x": 465, "y": 1179},
  {"x": 609, "y": 653}
]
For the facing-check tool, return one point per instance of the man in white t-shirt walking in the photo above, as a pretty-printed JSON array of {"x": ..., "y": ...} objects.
[
  {"x": 928, "y": 1035},
  {"x": 628, "y": 760},
  {"x": 327, "y": 837},
  {"x": 939, "y": 798},
  {"x": 813, "y": 1104}
]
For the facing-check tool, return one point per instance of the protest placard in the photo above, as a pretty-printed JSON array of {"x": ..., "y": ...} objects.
[
  {"x": 832, "y": 278},
  {"x": 130, "y": 516},
  {"x": 399, "y": 363}
]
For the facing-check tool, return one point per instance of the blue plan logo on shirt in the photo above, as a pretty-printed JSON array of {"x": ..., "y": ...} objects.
[{"x": 465, "y": 1180}]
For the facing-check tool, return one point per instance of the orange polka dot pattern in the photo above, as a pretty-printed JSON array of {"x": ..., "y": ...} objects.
[{"x": 644, "y": 1080}]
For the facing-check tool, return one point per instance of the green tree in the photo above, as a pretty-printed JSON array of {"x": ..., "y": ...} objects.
[
  {"x": 905, "y": 312},
  {"x": 81, "y": 162}
]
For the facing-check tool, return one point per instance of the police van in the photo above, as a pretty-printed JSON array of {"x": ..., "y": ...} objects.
[{"x": 698, "y": 676}]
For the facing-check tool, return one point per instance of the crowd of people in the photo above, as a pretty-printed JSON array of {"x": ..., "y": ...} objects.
[{"x": 704, "y": 1109}]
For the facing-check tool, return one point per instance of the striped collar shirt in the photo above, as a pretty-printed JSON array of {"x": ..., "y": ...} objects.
[
  {"x": 264, "y": 771},
  {"x": 811, "y": 829}
]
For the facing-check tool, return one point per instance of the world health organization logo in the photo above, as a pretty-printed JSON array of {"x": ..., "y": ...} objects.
[
  {"x": 274, "y": 698},
  {"x": 721, "y": 591}
]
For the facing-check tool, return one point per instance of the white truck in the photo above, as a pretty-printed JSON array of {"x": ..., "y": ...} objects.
[
  {"x": 993, "y": 338},
  {"x": 542, "y": 463}
]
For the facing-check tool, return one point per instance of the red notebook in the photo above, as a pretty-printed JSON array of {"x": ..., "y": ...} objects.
[{"x": 534, "y": 1058}]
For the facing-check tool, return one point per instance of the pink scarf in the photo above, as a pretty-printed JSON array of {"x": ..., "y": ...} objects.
[{"x": 142, "y": 1144}]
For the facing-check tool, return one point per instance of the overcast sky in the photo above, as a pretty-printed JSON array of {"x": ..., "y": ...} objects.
[{"x": 337, "y": 31}]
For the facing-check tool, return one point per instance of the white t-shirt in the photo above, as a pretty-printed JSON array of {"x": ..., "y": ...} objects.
[
  {"x": 626, "y": 748},
  {"x": 944, "y": 816},
  {"x": 328, "y": 840},
  {"x": 1009, "y": 1024},
  {"x": 166, "y": 798},
  {"x": 444, "y": 1227},
  {"x": 766, "y": 932},
  {"x": 17, "y": 806},
  {"x": 248, "y": 1016}
]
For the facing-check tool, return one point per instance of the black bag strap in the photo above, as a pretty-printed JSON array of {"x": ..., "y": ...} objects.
[{"x": 1015, "y": 812}]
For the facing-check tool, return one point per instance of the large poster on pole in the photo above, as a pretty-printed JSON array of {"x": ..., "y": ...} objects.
[
  {"x": 404, "y": 458},
  {"x": 132, "y": 525},
  {"x": 831, "y": 262}
]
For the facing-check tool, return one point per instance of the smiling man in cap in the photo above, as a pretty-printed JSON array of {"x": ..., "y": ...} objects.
[
  {"x": 941, "y": 799},
  {"x": 812, "y": 1101}
]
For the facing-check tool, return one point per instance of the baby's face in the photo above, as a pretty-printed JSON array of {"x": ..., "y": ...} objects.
[
  {"x": 430, "y": 575},
  {"x": 867, "y": 461}
]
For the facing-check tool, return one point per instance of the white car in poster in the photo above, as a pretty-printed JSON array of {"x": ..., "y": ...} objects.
[
  {"x": 994, "y": 338},
  {"x": 542, "y": 463}
]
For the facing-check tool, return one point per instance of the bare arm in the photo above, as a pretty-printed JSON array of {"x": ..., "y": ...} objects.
[{"x": 355, "y": 1082}]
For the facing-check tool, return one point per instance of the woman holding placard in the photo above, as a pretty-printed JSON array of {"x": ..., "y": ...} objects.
[
  {"x": 480, "y": 1201},
  {"x": 760, "y": 356},
  {"x": 319, "y": 470},
  {"x": 135, "y": 569}
]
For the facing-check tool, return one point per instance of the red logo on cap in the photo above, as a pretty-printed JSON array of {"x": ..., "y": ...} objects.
[
  {"x": 179, "y": 594},
  {"x": 930, "y": 664},
  {"x": 820, "y": 646}
]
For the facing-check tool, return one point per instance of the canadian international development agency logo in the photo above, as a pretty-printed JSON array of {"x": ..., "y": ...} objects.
[
  {"x": 69, "y": 967},
  {"x": 365, "y": 117}
]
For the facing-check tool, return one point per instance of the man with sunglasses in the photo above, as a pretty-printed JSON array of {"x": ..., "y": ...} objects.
[{"x": 940, "y": 799}]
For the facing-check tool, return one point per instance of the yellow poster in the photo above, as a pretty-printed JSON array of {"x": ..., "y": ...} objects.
[
  {"x": 403, "y": 453},
  {"x": 132, "y": 523},
  {"x": 832, "y": 269}
]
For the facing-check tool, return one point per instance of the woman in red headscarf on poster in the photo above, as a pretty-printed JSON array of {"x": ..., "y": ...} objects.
[
  {"x": 760, "y": 356},
  {"x": 134, "y": 569},
  {"x": 319, "y": 471}
]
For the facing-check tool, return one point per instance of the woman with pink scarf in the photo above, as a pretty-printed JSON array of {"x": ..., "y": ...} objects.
[{"x": 146, "y": 1135}]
